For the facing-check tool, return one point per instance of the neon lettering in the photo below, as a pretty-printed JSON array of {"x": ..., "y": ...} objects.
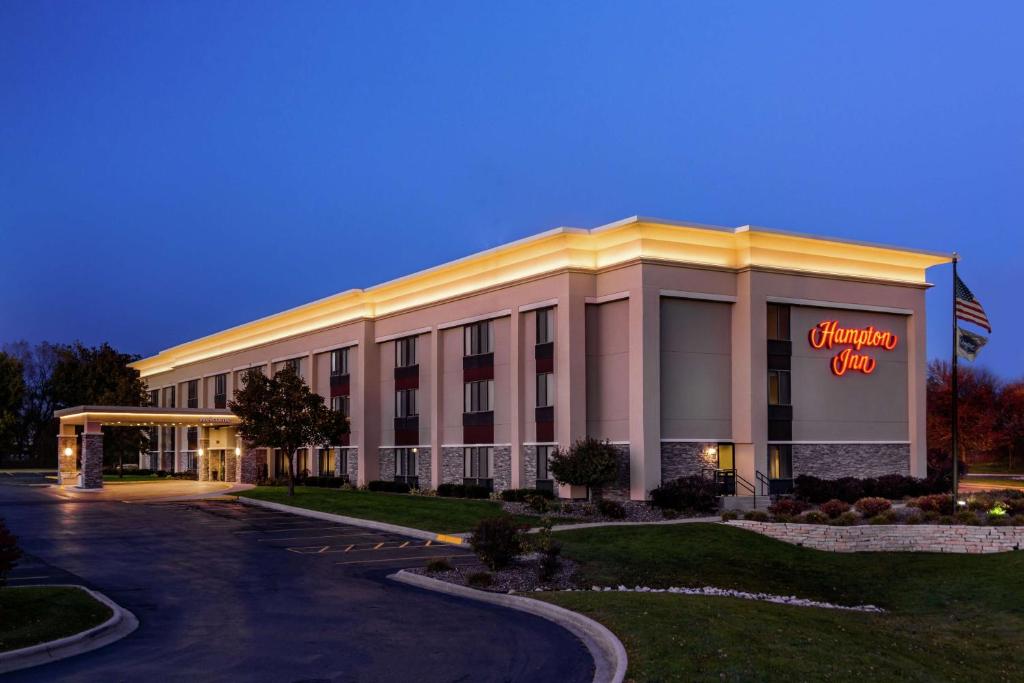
[{"x": 828, "y": 334}]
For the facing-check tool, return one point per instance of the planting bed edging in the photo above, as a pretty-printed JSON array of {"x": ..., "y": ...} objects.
[
  {"x": 925, "y": 538},
  {"x": 121, "y": 623},
  {"x": 606, "y": 649}
]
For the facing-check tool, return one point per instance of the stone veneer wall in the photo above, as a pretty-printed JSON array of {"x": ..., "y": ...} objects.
[
  {"x": 685, "y": 459},
  {"x": 833, "y": 461},
  {"x": 248, "y": 465},
  {"x": 893, "y": 538},
  {"x": 620, "y": 489},
  {"x": 230, "y": 465},
  {"x": 203, "y": 466},
  {"x": 387, "y": 464},
  {"x": 502, "y": 474},
  {"x": 529, "y": 474},
  {"x": 352, "y": 463},
  {"x": 92, "y": 461},
  {"x": 423, "y": 467},
  {"x": 453, "y": 465}
]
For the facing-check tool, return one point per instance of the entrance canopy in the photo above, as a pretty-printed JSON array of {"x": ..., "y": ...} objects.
[{"x": 128, "y": 416}]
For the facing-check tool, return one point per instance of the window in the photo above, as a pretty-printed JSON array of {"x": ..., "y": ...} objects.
[
  {"x": 780, "y": 461},
  {"x": 325, "y": 463},
  {"x": 154, "y": 397},
  {"x": 169, "y": 397},
  {"x": 478, "y": 462},
  {"x": 169, "y": 438},
  {"x": 193, "y": 393},
  {"x": 192, "y": 437},
  {"x": 405, "y": 352},
  {"x": 339, "y": 362},
  {"x": 405, "y": 403},
  {"x": 340, "y": 404},
  {"x": 293, "y": 363},
  {"x": 545, "y": 389},
  {"x": 405, "y": 462},
  {"x": 543, "y": 458},
  {"x": 343, "y": 461},
  {"x": 545, "y": 325},
  {"x": 302, "y": 462},
  {"x": 778, "y": 322},
  {"x": 478, "y": 338},
  {"x": 778, "y": 388},
  {"x": 220, "y": 386},
  {"x": 479, "y": 396}
]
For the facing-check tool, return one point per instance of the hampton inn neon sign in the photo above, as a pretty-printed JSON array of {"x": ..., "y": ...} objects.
[{"x": 827, "y": 334}]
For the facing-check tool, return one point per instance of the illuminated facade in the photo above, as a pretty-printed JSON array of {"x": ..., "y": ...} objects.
[{"x": 689, "y": 348}]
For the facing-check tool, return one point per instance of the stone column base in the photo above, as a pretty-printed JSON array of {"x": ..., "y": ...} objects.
[
  {"x": 92, "y": 460},
  {"x": 230, "y": 465},
  {"x": 248, "y": 465}
]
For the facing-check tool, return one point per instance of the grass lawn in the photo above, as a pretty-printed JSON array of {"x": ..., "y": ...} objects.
[
  {"x": 952, "y": 617},
  {"x": 993, "y": 483},
  {"x": 440, "y": 515},
  {"x": 999, "y": 467},
  {"x": 34, "y": 615}
]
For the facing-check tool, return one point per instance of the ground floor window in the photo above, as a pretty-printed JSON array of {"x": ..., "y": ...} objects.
[
  {"x": 190, "y": 461},
  {"x": 780, "y": 461},
  {"x": 302, "y": 462},
  {"x": 280, "y": 465},
  {"x": 405, "y": 466},
  {"x": 479, "y": 461},
  {"x": 544, "y": 480},
  {"x": 343, "y": 461},
  {"x": 325, "y": 463}
]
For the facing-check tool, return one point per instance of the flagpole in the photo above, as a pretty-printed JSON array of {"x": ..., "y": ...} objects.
[{"x": 955, "y": 397}]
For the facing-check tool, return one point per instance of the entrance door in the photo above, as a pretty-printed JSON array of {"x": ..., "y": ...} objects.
[{"x": 726, "y": 459}]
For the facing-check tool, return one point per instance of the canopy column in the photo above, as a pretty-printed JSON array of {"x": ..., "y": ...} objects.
[
  {"x": 67, "y": 456},
  {"x": 92, "y": 456}
]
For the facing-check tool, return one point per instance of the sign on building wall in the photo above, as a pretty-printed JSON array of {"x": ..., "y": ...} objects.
[{"x": 851, "y": 342}]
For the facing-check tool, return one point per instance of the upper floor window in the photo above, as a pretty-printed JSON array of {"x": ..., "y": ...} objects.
[
  {"x": 545, "y": 389},
  {"x": 193, "y": 393},
  {"x": 478, "y": 338},
  {"x": 479, "y": 396},
  {"x": 405, "y": 403},
  {"x": 545, "y": 325},
  {"x": 220, "y": 385},
  {"x": 339, "y": 362},
  {"x": 778, "y": 388},
  {"x": 340, "y": 404},
  {"x": 154, "y": 397},
  {"x": 778, "y": 322},
  {"x": 405, "y": 352},
  {"x": 295, "y": 364},
  {"x": 169, "y": 397}
]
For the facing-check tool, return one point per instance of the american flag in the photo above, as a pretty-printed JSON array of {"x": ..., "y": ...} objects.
[{"x": 968, "y": 308}]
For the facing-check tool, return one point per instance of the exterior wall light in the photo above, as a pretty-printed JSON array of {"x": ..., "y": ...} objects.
[
  {"x": 200, "y": 452},
  {"x": 238, "y": 451},
  {"x": 68, "y": 452}
]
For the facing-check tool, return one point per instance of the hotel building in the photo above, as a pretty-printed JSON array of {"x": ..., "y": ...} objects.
[{"x": 752, "y": 354}]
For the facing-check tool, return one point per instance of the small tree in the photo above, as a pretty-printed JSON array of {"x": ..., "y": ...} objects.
[
  {"x": 281, "y": 412},
  {"x": 589, "y": 462}
]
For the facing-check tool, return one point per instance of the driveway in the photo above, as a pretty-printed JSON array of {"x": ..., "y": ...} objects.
[{"x": 229, "y": 592}]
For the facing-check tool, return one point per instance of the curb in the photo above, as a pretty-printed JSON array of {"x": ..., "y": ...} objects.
[
  {"x": 609, "y": 655},
  {"x": 120, "y": 624},
  {"x": 664, "y": 522},
  {"x": 355, "y": 521}
]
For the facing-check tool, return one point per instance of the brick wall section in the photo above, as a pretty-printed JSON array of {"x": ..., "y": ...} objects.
[
  {"x": 685, "y": 459},
  {"x": 248, "y": 465},
  {"x": 893, "y": 538},
  {"x": 502, "y": 473},
  {"x": 452, "y": 465},
  {"x": 832, "y": 461},
  {"x": 92, "y": 461},
  {"x": 387, "y": 464}
]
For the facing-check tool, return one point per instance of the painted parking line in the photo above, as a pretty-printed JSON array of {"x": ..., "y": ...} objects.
[
  {"x": 349, "y": 534},
  {"x": 355, "y": 547},
  {"x": 403, "y": 559}
]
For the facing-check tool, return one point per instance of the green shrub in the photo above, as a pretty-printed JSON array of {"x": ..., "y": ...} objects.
[
  {"x": 523, "y": 495},
  {"x": 589, "y": 462},
  {"x": 462, "y": 491},
  {"x": 884, "y": 517},
  {"x": 611, "y": 509},
  {"x": 730, "y": 515},
  {"x": 497, "y": 541},
  {"x": 686, "y": 494},
  {"x": 967, "y": 517},
  {"x": 1017, "y": 520},
  {"x": 835, "y": 507},
  {"x": 914, "y": 518},
  {"x": 388, "y": 486},
  {"x": 439, "y": 564},
  {"x": 163, "y": 473},
  {"x": 549, "y": 550},
  {"x": 980, "y": 502},
  {"x": 845, "y": 519},
  {"x": 946, "y": 519},
  {"x": 538, "y": 503},
  {"x": 870, "y": 507},
  {"x": 479, "y": 580},
  {"x": 815, "y": 517},
  {"x": 756, "y": 516}
]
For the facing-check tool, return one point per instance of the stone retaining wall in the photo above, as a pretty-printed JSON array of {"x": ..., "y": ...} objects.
[{"x": 893, "y": 537}]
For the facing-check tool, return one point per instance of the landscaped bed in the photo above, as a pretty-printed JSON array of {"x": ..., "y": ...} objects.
[{"x": 32, "y": 615}]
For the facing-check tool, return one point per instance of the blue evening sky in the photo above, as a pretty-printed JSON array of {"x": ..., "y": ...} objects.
[{"x": 169, "y": 169}]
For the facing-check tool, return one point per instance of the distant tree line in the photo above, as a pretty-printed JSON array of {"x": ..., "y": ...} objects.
[
  {"x": 37, "y": 380},
  {"x": 991, "y": 418}
]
